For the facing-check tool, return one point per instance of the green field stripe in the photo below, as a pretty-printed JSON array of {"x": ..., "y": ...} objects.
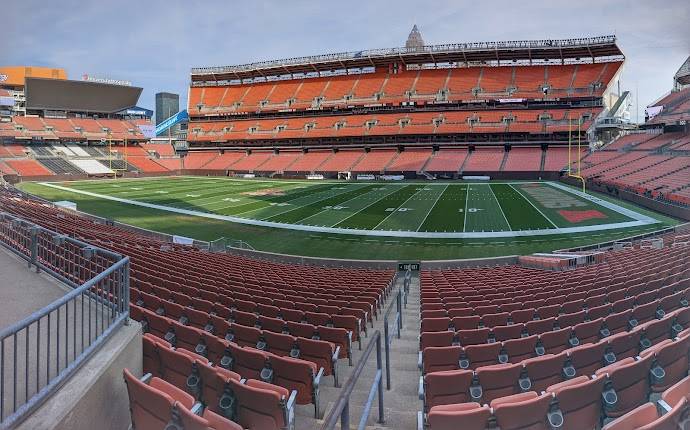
[
  {"x": 332, "y": 216},
  {"x": 264, "y": 202},
  {"x": 483, "y": 210},
  {"x": 519, "y": 214},
  {"x": 448, "y": 214},
  {"x": 410, "y": 215},
  {"x": 185, "y": 197},
  {"x": 316, "y": 198},
  {"x": 297, "y": 214},
  {"x": 372, "y": 215},
  {"x": 212, "y": 198}
]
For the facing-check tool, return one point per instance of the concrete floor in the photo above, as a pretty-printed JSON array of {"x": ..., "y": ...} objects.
[
  {"x": 401, "y": 402},
  {"x": 39, "y": 355},
  {"x": 22, "y": 290}
]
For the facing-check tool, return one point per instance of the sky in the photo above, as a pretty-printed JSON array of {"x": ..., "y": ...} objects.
[{"x": 155, "y": 43}]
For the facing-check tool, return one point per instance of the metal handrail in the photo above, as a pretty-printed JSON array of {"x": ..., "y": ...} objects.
[
  {"x": 341, "y": 410},
  {"x": 100, "y": 304},
  {"x": 398, "y": 304}
]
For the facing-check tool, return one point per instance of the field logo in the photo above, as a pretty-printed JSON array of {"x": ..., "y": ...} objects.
[{"x": 579, "y": 216}]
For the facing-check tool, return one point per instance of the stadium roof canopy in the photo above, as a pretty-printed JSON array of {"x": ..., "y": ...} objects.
[
  {"x": 459, "y": 53},
  {"x": 79, "y": 96}
]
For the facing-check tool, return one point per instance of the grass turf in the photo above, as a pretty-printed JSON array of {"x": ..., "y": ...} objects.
[{"x": 434, "y": 207}]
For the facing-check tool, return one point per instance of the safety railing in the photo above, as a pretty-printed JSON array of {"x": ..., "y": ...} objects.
[
  {"x": 396, "y": 320},
  {"x": 341, "y": 410},
  {"x": 39, "y": 353}
]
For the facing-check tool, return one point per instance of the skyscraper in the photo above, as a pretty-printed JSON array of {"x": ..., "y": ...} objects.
[{"x": 167, "y": 105}]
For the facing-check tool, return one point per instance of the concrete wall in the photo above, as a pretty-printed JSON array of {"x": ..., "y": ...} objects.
[{"x": 95, "y": 397}]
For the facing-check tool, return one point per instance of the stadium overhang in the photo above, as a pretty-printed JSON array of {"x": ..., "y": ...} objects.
[
  {"x": 604, "y": 47},
  {"x": 79, "y": 96}
]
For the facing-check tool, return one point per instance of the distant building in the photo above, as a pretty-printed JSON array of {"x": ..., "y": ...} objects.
[
  {"x": 167, "y": 105},
  {"x": 414, "y": 40}
]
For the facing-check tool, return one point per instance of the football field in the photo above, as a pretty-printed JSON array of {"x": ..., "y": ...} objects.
[
  {"x": 399, "y": 209},
  {"x": 362, "y": 220}
]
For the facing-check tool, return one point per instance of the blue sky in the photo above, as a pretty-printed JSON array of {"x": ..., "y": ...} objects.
[{"x": 154, "y": 43}]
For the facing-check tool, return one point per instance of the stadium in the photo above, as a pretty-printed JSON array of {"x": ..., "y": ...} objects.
[{"x": 457, "y": 236}]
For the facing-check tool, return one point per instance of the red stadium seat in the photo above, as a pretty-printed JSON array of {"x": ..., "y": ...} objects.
[{"x": 262, "y": 406}]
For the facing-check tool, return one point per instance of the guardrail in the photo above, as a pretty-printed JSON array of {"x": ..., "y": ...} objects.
[
  {"x": 398, "y": 303},
  {"x": 39, "y": 353},
  {"x": 341, "y": 410}
]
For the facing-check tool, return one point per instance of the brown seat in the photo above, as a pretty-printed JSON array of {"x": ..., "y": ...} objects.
[
  {"x": 264, "y": 406},
  {"x": 522, "y": 411},
  {"x": 447, "y": 387},
  {"x": 474, "y": 356},
  {"x": 579, "y": 402},
  {"x": 213, "y": 383},
  {"x": 280, "y": 343},
  {"x": 555, "y": 341},
  {"x": 521, "y": 348},
  {"x": 150, "y": 405},
  {"x": 300, "y": 376},
  {"x": 208, "y": 421},
  {"x": 495, "y": 381},
  {"x": 646, "y": 417},
  {"x": 435, "y": 338},
  {"x": 541, "y": 372},
  {"x": 626, "y": 386},
  {"x": 468, "y": 416},
  {"x": 178, "y": 368},
  {"x": 585, "y": 359},
  {"x": 441, "y": 358},
  {"x": 670, "y": 362}
]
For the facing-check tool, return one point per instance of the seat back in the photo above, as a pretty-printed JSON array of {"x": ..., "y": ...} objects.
[
  {"x": 579, "y": 401},
  {"x": 447, "y": 387}
]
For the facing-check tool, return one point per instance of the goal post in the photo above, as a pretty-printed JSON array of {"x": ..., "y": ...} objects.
[
  {"x": 111, "y": 157},
  {"x": 577, "y": 175}
]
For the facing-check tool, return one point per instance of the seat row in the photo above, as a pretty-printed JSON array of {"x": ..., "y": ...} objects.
[
  {"x": 246, "y": 312},
  {"x": 607, "y": 318},
  {"x": 302, "y": 353},
  {"x": 254, "y": 332},
  {"x": 205, "y": 381},
  {"x": 447, "y": 305},
  {"x": 502, "y": 395},
  {"x": 603, "y": 343}
]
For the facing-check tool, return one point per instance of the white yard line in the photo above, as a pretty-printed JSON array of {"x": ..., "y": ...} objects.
[
  {"x": 329, "y": 196},
  {"x": 396, "y": 209},
  {"x": 367, "y": 206},
  {"x": 346, "y": 201},
  {"x": 530, "y": 202},
  {"x": 432, "y": 207},
  {"x": 499, "y": 206},
  {"x": 391, "y": 233}
]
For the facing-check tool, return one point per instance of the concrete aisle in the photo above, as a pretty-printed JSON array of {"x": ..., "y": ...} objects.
[{"x": 401, "y": 402}]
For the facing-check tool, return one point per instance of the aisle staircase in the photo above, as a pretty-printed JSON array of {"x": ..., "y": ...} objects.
[{"x": 401, "y": 402}]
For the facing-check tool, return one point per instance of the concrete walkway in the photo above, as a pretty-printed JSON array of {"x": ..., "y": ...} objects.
[{"x": 22, "y": 290}]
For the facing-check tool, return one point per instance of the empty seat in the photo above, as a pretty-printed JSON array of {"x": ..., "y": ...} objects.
[
  {"x": 150, "y": 405},
  {"x": 520, "y": 349},
  {"x": 585, "y": 359},
  {"x": 646, "y": 417},
  {"x": 259, "y": 405},
  {"x": 208, "y": 421},
  {"x": 579, "y": 402},
  {"x": 300, "y": 376},
  {"x": 324, "y": 354},
  {"x": 495, "y": 381},
  {"x": 435, "y": 324},
  {"x": 447, "y": 387},
  {"x": 555, "y": 341},
  {"x": 441, "y": 358},
  {"x": 522, "y": 411},
  {"x": 468, "y": 416},
  {"x": 622, "y": 345},
  {"x": 670, "y": 362},
  {"x": 437, "y": 339},
  {"x": 626, "y": 386},
  {"x": 474, "y": 356},
  {"x": 281, "y": 344},
  {"x": 473, "y": 337},
  {"x": 541, "y": 372},
  {"x": 178, "y": 368},
  {"x": 213, "y": 383}
]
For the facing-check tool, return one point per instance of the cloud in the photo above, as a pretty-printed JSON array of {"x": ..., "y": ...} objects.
[{"x": 155, "y": 43}]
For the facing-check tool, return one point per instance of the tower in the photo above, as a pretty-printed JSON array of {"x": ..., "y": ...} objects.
[{"x": 414, "y": 40}]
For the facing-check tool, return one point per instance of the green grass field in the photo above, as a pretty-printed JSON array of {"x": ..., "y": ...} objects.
[{"x": 422, "y": 220}]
